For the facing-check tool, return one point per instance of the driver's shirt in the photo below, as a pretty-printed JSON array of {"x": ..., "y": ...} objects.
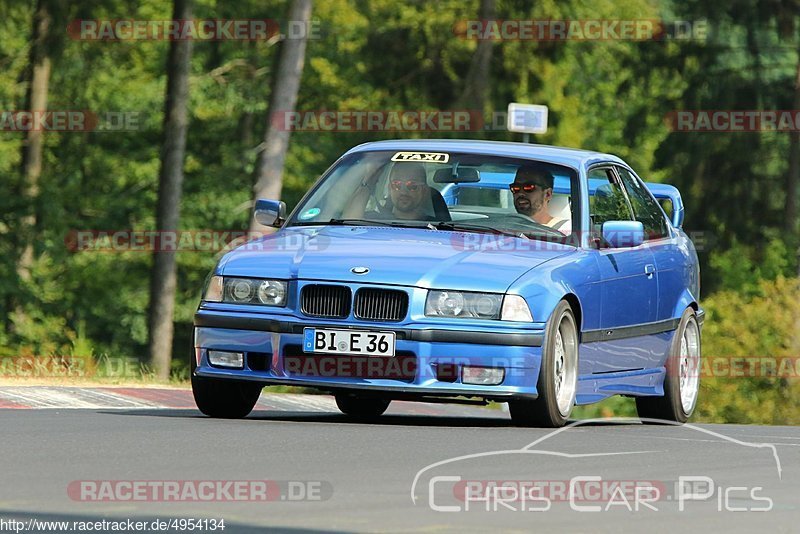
[{"x": 562, "y": 225}]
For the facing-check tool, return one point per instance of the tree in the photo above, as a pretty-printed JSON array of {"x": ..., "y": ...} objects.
[
  {"x": 35, "y": 101},
  {"x": 476, "y": 84},
  {"x": 793, "y": 173},
  {"x": 163, "y": 275},
  {"x": 269, "y": 169}
]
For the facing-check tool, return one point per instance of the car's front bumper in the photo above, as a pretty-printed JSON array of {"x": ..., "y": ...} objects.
[{"x": 427, "y": 350}]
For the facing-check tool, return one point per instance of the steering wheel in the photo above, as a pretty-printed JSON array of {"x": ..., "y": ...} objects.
[{"x": 521, "y": 222}]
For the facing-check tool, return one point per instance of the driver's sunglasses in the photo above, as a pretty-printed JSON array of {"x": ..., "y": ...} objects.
[
  {"x": 411, "y": 185},
  {"x": 525, "y": 187}
]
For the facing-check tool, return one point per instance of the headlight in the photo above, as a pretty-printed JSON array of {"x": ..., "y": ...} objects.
[
  {"x": 246, "y": 291},
  {"x": 239, "y": 290},
  {"x": 463, "y": 305},
  {"x": 516, "y": 309},
  {"x": 271, "y": 292}
]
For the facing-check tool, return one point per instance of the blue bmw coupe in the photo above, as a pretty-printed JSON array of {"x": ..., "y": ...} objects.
[{"x": 468, "y": 271}]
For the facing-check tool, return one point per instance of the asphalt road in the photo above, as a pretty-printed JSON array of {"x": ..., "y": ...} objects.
[{"x": 327, "y": 473}]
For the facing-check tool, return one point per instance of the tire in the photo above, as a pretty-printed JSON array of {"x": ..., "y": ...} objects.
[
  {"x": 224, "y": 399},
  {"x": 558, "y": 375},
  {"x": 682, "y": 380},
  {"x": 361, "y": 407}
]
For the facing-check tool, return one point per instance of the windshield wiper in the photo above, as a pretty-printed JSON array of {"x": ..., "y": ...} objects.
[
  {"x": 457, "y": 226},
  {"x": 367, "y": 222},
  {"x": 356, "y": 222}
]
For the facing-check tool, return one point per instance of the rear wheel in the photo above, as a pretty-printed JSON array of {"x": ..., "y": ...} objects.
[
  {"x": 558, "y": 375},
  {"x": 226, "y": 399},
  {"x": 361, "y": 407},
  {"x": 682, "y": 381}
]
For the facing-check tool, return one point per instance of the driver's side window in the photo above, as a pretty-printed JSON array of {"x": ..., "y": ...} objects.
[{"x": 608, "y": 203}]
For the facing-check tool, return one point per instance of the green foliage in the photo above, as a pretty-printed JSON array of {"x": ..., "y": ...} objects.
[
  {"x": 385, "y": 55},
  {"x": 756, "y": 329},
  {"x": 741, "y": 268}
]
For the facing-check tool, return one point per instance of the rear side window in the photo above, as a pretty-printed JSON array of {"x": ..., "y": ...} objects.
[{"x": 645, "y": 208}]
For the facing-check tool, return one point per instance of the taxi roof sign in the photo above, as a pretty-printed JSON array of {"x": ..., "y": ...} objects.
[{"x": 526, "y": 118}]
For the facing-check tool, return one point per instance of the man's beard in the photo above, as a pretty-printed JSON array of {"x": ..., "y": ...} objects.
[
  {"x": 404, "y": 203},
  {"x": 530, "y": 207}
]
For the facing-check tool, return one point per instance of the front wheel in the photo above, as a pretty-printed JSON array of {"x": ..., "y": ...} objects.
[
  {"x": 361, "y": 407},
  {"x": 682, "y": 381},
  {"x": 225, "y": 399},
  {"x": 558, "y": 375}
]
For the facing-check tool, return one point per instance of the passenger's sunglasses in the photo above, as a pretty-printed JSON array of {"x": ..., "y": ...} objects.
[
  {"x": 525, "y": 187},
  {"x": 411, "y": 185}
]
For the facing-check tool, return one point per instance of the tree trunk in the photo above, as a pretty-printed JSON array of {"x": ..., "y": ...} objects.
[
  {"x": 793, "y": 176},
  {"x": 36, "y": 101},
  {"x": 272, "y": 155},
  {"x": 476, "y": 84},
  {"x": 163, "y": 276}
]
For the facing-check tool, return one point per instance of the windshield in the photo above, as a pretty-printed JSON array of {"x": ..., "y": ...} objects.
[{"x": 446, "y": 191}]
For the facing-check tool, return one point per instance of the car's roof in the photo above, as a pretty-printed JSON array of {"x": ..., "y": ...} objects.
[{"x": 572, "y": 157}]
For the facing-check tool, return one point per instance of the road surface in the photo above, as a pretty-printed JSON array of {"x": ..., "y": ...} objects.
[{"x": 76, "y": 454}]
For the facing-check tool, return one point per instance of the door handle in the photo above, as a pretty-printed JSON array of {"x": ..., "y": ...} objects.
[{"x": 649, "y": 269}]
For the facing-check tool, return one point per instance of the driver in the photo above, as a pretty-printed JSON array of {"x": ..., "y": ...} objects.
[{"x": 533, "y": 190}]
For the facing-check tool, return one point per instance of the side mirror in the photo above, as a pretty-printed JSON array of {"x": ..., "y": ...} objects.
[
  {"x": 270, "y": 212},
  {"x": 623, "y": 234}
]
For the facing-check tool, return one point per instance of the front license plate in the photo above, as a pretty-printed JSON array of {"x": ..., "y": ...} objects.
[{"x": 326, "y": 341}]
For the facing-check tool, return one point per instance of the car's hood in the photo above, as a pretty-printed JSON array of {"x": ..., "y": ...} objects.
[{"x": 397, "y": 256}]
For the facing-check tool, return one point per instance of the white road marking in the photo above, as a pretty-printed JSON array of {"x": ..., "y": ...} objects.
[
  {"x": 45, "y": 398},
  {"x": 70, "y": 398},
  {"x": 129, "y": 401}
]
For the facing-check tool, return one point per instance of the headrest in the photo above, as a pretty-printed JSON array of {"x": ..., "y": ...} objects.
[
  {"x": 559, "y": 207},
  {"x": 409, "y": 171}
]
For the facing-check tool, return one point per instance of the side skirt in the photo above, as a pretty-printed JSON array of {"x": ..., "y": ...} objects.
[{"x": 641, "y": 382}]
